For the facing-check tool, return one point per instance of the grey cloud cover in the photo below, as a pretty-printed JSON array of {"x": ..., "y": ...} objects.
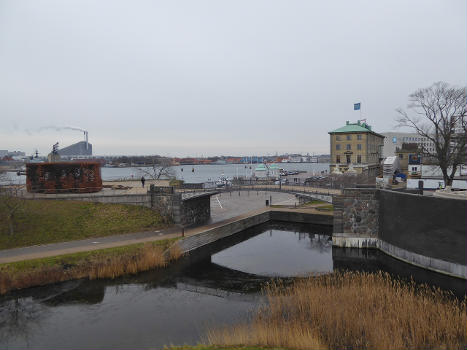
[{"x": 217, "y": 77}]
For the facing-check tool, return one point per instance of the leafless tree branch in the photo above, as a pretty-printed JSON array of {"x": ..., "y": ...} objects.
[
  {"x": 438, "y": 113},
  {"x": 161, "y": 168}
]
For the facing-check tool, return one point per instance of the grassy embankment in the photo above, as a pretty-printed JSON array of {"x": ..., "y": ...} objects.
[
  {"x": 49, "y": 221},
  {"x": 351, "y": 311},
  {"x": 104, "y": 263}
]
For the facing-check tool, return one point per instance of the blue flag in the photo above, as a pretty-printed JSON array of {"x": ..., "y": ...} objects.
[{"x": 356, "y": 106}]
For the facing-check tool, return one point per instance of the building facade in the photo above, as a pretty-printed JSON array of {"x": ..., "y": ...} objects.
[
  {"x": 356, "y": 147},
  {"x": 410, "y": 160},
  {"x": 394, "y": 140}
]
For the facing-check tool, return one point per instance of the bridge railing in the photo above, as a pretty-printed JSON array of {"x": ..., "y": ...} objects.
[{"x": 271, "y": 188}]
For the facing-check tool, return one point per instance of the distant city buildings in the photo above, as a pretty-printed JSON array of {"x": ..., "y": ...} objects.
[
  {"x": 356, "y": 147},
  {"x": 11, "y": 155}
]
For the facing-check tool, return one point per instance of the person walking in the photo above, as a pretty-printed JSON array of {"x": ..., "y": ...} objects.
[{"x": 142, "y": 180}]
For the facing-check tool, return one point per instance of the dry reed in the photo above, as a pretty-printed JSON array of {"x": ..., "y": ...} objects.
[
  {"x": 352, "y": 311},
  {"x": 99, "y": 264}
]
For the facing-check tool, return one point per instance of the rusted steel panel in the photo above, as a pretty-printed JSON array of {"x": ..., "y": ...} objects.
[{"x": 63, "y": 177}]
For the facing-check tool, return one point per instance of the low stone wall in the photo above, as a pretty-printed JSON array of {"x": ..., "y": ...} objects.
[
  {"x": 425, "y": 231},
  {"x": 132, "y": 199},
  {"x": 300, "y": 217},
  {"x": 185, "y": 209},
  {"x": 306, "y": 197},
  {"x": 188, "y": 244},
  {"x": 195, "y": 210},
  {"x": 191, "y": 243}
]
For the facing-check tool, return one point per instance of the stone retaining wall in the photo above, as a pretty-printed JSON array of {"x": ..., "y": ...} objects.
[
  {"x": 185, "y": 209},
  {"x": 425, "y": 231}
]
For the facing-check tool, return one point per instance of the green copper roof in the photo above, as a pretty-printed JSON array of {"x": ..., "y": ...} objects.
[
  {"x": 273, "y": 166},
  {"x": 354, "y": 127},
  {"x": 351, "y": 128},
  {"x": 260, "y": 167}
]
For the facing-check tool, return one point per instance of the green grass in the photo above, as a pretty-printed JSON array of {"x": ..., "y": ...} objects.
[
  {"x": 81, "y": 257},
  {"x": 329, "y": 207},
  {"x": 314, "y": 202},
  {"x": 49, "y": 221}
]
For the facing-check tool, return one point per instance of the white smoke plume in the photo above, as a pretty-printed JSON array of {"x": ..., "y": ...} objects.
[
  {"x": 59, "y": 128},
  {"x": 56, "y": 128}
]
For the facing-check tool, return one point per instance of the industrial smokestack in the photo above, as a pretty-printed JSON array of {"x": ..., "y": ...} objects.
[{"x": 86, "y": 139}]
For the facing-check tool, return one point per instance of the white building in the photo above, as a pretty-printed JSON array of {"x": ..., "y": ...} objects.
[{"x": 396, "y": 139}]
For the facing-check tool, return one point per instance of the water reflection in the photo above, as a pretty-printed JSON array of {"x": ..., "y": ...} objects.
[
  {"x": 220, "y": 284},
  {"x": 279, "y": 253}
]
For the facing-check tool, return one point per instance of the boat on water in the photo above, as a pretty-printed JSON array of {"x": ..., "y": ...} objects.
[{"x": 223, "y": 181}]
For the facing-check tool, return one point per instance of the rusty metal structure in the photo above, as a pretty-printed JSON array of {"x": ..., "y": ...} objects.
[{"x": 63, "y": 177}]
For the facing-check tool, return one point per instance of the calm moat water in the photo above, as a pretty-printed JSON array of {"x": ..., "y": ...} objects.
[{"x": 218, "y": 286}]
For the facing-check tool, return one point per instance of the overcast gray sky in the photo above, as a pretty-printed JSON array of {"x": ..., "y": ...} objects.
[{"x": 217, "y": 77}]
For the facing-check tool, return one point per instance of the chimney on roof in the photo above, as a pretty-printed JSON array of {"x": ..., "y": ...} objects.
[{"x": 347, "y": 122}]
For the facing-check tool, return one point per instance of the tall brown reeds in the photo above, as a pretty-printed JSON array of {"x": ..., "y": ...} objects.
[
  {"x": 108, "y": 263},
  {"x": 352, "y": 311}
]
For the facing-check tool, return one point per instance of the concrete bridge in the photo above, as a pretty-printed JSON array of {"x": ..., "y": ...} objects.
[{"x": 303, "y": 193}]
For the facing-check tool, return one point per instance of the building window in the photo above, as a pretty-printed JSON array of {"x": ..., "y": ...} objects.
[
  {"x": 348, "y": 158},
  {"x": 401, "y": 156},
  {"x": 338, "y": 147},
  {"x": 338, "y": 159},
  {"x": 338, "y": 138},
  {"x": 359, "y": 137},
  {"x": 349, "y": 147},
  {"x": 359, "y": 159},
  {"x": 349, "y": 137},
  {"x": 359, "y": 146}
]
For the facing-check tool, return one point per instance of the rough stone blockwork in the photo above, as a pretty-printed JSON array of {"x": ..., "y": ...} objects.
[
  {"x": 192, "y": 210},
  {"x": 356, "y": 211}
]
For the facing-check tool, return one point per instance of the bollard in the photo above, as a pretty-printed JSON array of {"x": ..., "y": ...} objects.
[
  {"x": 267, "y": 203},
  {"x": 270, "y": 200}
]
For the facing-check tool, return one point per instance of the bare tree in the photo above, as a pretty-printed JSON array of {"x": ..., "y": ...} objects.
[
  {"x": 11, "y": 202},
  {"x": 161, "y": 168},
  {"x": 438, "y": 113}
]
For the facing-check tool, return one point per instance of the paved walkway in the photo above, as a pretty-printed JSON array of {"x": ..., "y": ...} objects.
[
  {"x": 54, "y": 249},
  {"x": 112, "y": 188}
]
